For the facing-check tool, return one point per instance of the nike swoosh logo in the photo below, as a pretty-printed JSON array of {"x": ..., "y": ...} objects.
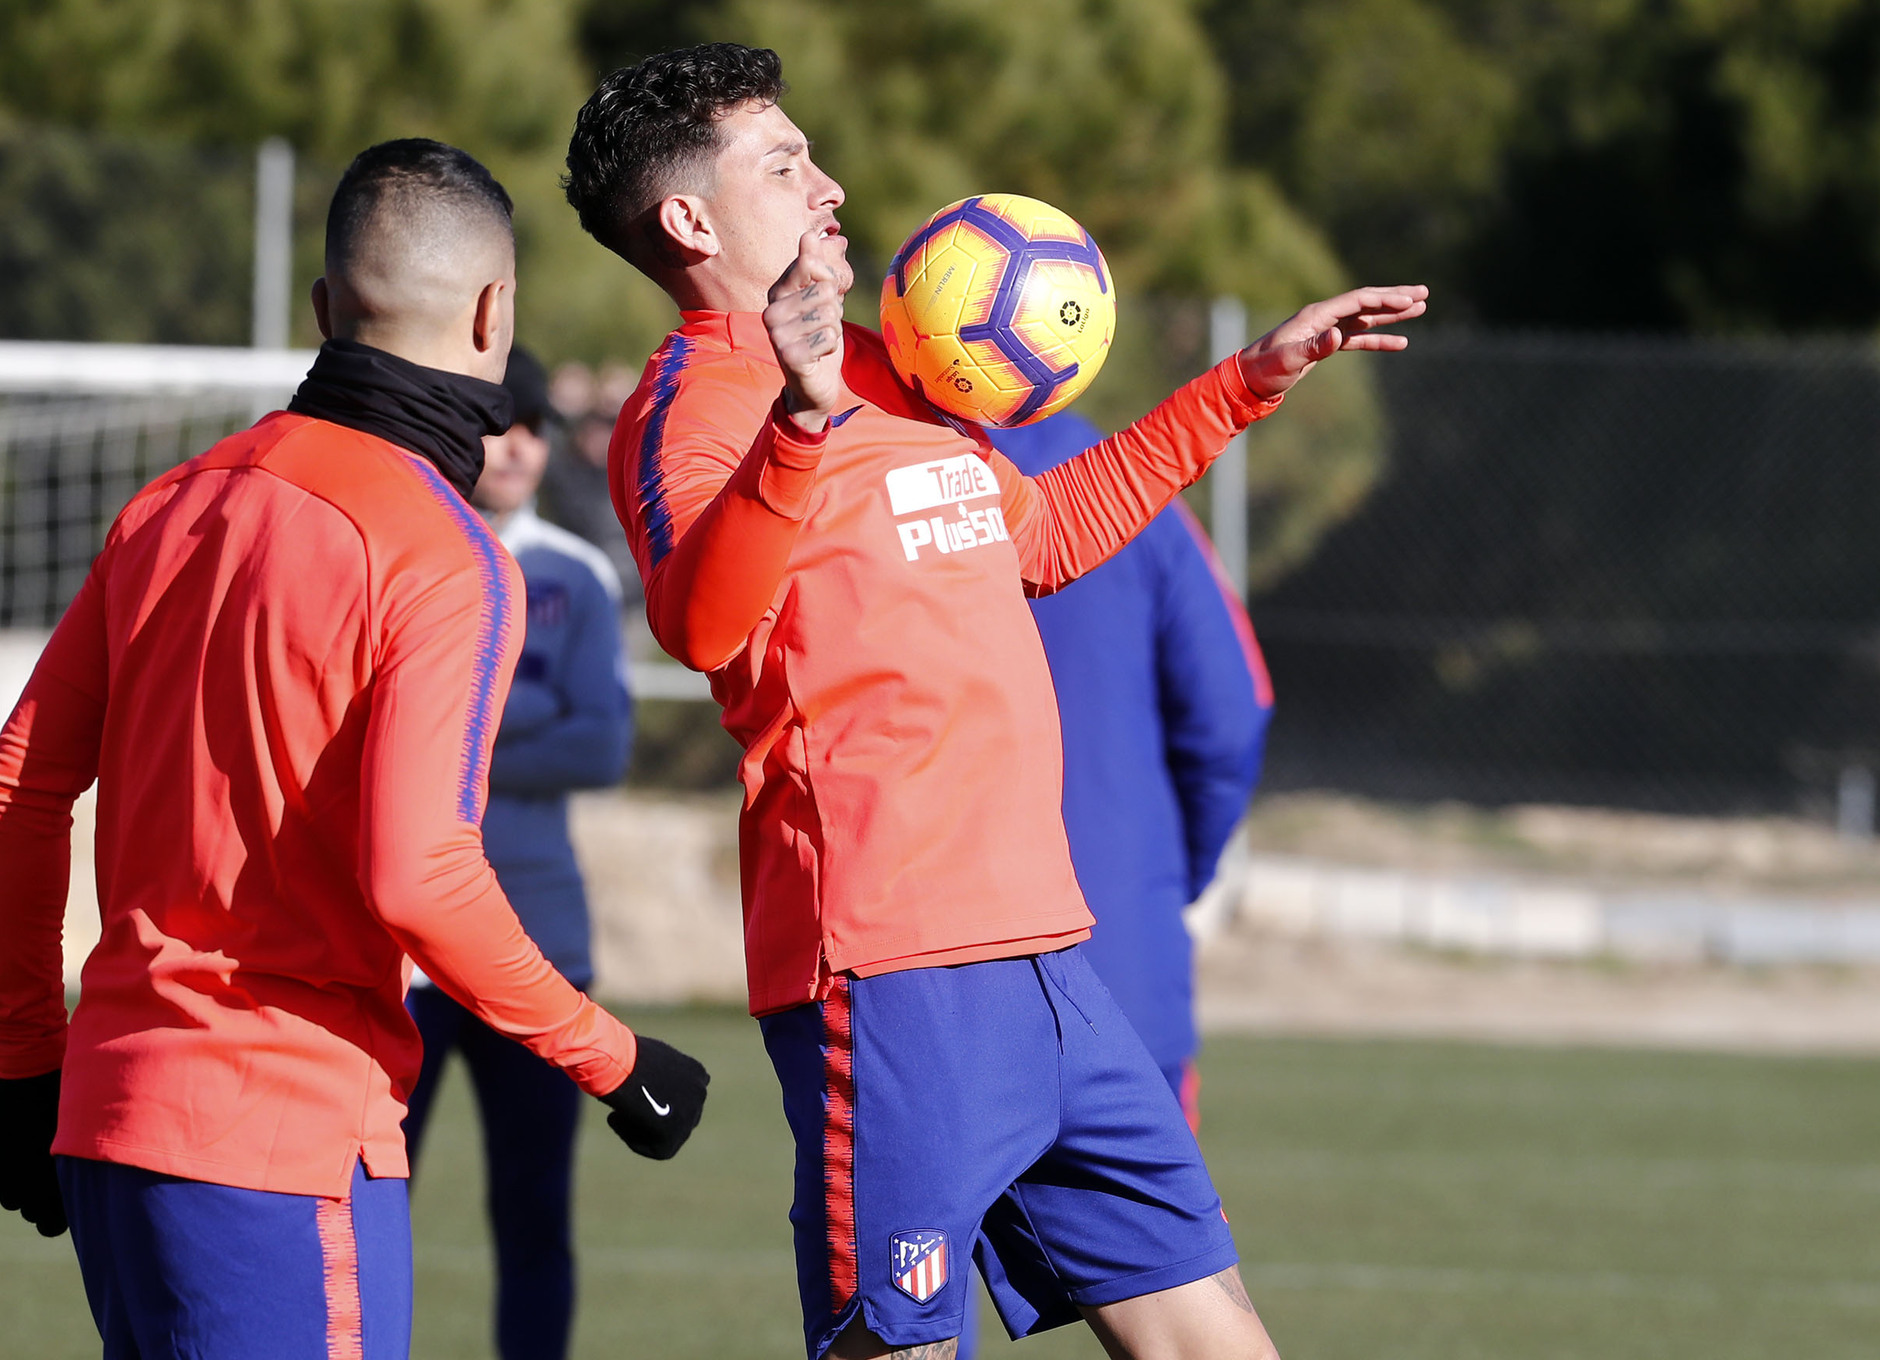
[
  {"x": 837, "y": 420},
  {"x": 661, "y": 1110}
]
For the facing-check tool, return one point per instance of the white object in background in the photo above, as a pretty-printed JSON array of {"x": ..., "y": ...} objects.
[
  {"x": 667, "y": 680},
  {"x": 19, "y": 653},
  {"x": 274, "y": 243},
  {"x": 1219, "y": 904},
  {"x": 60, "y": 367},
  {"x": 1227, "y": 479},
  {"x": 1854, "y": 804}
]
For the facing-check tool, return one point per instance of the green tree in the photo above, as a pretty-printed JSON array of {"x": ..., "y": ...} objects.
[
  {"x": 77, "y": 263},
  {"x": 1680, "y": 164},
  {"x": 501, "y": 78},
  {"x": 1701, "y": 166},
  {"x": 1385, "y": 120}
]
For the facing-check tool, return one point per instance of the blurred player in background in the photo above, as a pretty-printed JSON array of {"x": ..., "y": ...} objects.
[
  {"x": 566, "y": 725},
  {"x": 1163, "y": 699},
  {"x": 574, "y": 487},
  {"x": 284, "y": 671},
  {"x": 957, "y": 1081}
]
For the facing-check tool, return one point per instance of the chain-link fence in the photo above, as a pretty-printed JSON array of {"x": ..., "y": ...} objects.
[{"x": 1637, "y": 572}]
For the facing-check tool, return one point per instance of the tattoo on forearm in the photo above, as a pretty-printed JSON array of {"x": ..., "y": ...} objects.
[{"x": 1231, "y": 1285}]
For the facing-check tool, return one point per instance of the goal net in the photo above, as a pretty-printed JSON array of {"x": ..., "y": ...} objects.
[{"x": 83, "y": 427}]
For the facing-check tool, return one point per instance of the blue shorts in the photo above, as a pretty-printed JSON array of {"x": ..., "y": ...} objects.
[
  {"x": 1003, "y": 1110},
  {"x": 178, "y": 1268}
]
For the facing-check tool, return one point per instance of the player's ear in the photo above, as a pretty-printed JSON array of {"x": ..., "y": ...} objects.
[
  {"x": 685, "y": 229},
  {"x": 488, "y": 319},
  {"x": 321, "y": 302},
  {"x": 492, "y": 326}
]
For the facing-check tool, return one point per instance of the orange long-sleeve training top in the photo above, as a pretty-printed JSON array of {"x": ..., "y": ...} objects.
[
  {"x": 858, "y": 599},
  {"x": 285, "y": 671}
]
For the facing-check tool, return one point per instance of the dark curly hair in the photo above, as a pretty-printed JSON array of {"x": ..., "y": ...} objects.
[{"x": 646, "y": 126}]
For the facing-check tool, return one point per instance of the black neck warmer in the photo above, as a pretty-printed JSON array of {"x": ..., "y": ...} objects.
[{"x": 437, "y": 415}]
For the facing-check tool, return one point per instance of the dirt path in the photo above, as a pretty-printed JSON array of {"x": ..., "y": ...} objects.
[
  {"x": 663, "y": 880},
  {"x": 1249, "y": 982}
]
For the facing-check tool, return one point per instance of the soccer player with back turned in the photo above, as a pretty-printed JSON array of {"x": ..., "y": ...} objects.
[
  {"x": 956, "y": 1079},
  {"x": 284, "y": 671}
]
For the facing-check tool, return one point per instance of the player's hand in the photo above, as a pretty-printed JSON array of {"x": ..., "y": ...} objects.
[
  {"x": 1287, "y": 353},
  {"x": 29, "y": 1116},
  {"x": 804, "y": 319},
  {"x": 659, "y": 1104}
]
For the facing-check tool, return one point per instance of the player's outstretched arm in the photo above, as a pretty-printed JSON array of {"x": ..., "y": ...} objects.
[
  {"x": 1285, "y": 354},
  {"x": 1069, "y": 520}
]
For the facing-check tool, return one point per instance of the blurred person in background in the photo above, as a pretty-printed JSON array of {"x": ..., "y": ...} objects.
[
  {"x": 1164, "y": 700},
  {"x": 567, "y": 725},
  {"x": 574, "y": 486}
]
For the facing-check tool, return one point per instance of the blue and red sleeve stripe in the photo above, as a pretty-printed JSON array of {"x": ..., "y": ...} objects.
[
  {"x": 655, "y": 514},
  {"x": 485, "y": 702}
]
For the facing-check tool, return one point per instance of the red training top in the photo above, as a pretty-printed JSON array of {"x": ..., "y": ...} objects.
[
  {"x": 859, "y": 600},
  {"x": 285, "y": 670}
]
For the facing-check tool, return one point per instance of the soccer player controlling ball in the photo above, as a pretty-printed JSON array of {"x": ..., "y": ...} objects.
[{"x": 956, "y": 1079}]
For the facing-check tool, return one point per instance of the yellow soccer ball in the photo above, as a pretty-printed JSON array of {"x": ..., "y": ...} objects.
[{"x": 998, "y": 309}]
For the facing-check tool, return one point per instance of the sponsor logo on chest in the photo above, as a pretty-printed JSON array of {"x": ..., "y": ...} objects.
[{"x": 945, "y": 485}]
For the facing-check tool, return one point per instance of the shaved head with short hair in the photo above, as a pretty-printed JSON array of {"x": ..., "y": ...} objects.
[{"x": 417, "y": 232}]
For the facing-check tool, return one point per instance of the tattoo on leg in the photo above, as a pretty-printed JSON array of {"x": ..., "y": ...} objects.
[
  {"x": 858, "y": 1343},
  {"x": 1231, "y": 1285},
  {"x": 932, "y": 1350}
]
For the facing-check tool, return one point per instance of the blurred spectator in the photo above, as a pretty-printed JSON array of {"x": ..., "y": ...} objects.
[
  {"x": 574, "y": 490},
  {"x": 1164, "y": 699},
  {"x": 567, "y": 725}
]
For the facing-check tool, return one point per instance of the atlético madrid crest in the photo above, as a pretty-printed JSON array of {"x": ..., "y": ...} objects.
[{"x": 920, "y": 1262}]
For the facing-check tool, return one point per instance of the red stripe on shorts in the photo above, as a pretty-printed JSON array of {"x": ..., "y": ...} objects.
[
  {"x": 339, "y": 1262},
  {"x": 839, "y": 1144},
  {"x": 1191, "y": 1096}
]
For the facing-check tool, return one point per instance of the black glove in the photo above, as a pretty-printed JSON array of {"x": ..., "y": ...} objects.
[
  {"x": 29, "y": 1116},
  {"x": 659, "y": 1104}
]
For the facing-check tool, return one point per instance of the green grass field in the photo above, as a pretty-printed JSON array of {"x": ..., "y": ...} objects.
[{"x": 1393, "y": 1201}]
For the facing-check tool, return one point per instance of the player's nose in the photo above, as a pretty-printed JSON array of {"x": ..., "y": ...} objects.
[{"x": 829, "y": 194}]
